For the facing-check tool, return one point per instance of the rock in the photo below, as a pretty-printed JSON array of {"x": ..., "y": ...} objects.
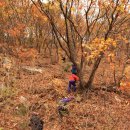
[
  {"x": 22, "y": 99},
  {"x": 32, "y": 69},
  {"x": 7, "y": 63}
]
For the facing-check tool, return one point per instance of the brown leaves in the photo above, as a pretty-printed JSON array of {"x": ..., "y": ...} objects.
[
  {"x": 2, "y": 3},
  {"x": 29, "y": 54},
  {"x": 38, "y": 14},
  {"x": 17, "y": 30}
]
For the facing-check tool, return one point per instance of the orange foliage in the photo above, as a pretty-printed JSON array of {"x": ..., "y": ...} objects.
[
  {"x": 80, "y": 7},
  {"x": 125, "y": 86},
  {"x": 29, "y": 54},
  {"x": 36, "y": 13},
  {"x": 2, "y": 3},
  {"x": 16, "y": 31}
]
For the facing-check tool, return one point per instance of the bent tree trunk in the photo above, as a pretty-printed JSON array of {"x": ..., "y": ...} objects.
[
  {"x": 97, "y": 62},
  {"x": 91, "y": 77}
]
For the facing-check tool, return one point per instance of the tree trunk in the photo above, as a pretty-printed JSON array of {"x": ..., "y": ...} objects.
[
  {"x": 81, "y": 82},
  {"x": 95, "y": 67},
  {"x": 96, "y": 64}
]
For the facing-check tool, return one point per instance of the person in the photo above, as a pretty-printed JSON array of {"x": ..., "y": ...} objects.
[
  {"x": 72, "y": 82},
  {"x": 74, "y": 69}
]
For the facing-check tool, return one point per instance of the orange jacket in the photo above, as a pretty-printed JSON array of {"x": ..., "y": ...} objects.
[{"x": 73, "y": 77}]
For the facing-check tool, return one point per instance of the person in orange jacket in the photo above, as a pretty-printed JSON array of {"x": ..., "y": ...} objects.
[{"x": 72, "y": 82}]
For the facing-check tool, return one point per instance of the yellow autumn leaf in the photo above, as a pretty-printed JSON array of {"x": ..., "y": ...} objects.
[
  {"x": 120, "y": 8},
  {"x": 114, "y": 44},
  {"x": 45, "y": 19},
  {"x": 88, "y": 47},
  {"x": 73, "y": 9}
]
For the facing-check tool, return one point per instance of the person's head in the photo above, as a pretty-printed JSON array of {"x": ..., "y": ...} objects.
[
  {"x": 74, "y": 71},
  {"x": 73, "y": 65}
]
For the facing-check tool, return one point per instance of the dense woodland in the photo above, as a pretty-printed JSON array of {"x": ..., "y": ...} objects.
[{"x": 41, "y": 40}]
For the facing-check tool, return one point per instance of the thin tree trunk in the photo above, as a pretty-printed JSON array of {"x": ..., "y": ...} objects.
[
  {"x": 81, "y": 82},
  {"x": 92, "y": 75}
]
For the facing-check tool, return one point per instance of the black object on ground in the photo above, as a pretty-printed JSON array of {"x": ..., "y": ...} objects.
[{"x": 36, "y": 123}]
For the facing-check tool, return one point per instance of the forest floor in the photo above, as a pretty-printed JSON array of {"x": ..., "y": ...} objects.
[{"x": 39, "y": 92}]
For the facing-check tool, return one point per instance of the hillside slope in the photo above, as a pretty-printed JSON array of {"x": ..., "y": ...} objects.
[{"x": 30, "y": 92}]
